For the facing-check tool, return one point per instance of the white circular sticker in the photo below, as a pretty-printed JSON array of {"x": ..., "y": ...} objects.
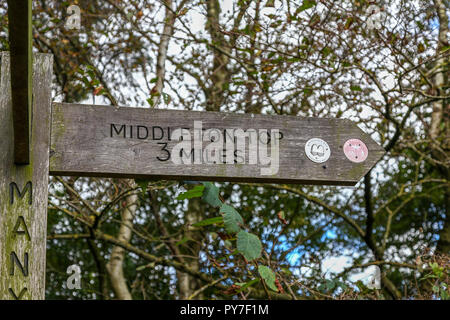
[{"x": 317, "y": 150}]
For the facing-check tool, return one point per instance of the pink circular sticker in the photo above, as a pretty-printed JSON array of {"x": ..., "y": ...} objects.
[{"x": 355, "y": 150}]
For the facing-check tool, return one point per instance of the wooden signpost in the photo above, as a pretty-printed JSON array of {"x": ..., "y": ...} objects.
[
  {"x": 24, "y": 188},
  {"x": 106, "y": 141}
]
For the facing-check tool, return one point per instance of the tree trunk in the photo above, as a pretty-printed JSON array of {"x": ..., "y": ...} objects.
[
  {"x": 115, "y": 264},
  {"x": 187, "y": 283},
  {"x": 439, "y": 130},
  {"x": 169, "y": 23},
  {"x": 219, "y": 73}
]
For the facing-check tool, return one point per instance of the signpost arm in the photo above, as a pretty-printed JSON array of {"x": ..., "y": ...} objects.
[
  {"x": 24, "y": 188},
  {"x": 20, "y": 40},
  {"x": 105, "y": 141}
]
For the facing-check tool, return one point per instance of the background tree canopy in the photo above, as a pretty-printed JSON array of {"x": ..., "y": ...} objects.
[{"x": 149, "y": 240}]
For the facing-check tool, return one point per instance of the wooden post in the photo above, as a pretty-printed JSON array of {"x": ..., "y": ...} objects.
[
  {"x": 24, "y": 188},
  {"x": 21, "y": 47}
]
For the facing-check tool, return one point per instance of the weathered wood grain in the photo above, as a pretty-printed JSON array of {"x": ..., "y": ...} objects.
[
  {"x": 82, "y": 145},
  {"x": 20, "y": 39},
  {"x": 23, "y": 220}
]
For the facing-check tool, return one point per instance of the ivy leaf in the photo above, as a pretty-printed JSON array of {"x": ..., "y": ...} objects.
[
  {"x": 269, "y": 277},
  {"x": 211, "y": 194},
  {"x": 231, "y": 218},
  {"x": 207, "y": 222},
  {"x": 249, "y": 245},
  {"x": 195, "y": 192}
]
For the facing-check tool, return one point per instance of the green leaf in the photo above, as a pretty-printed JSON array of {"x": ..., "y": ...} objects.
[
  {"x": 342, "y": 285},
  {"x": 182, "y": 241},
  {"x": 270, "y": 3},
  {"x": 143, "y": 185},
  {"x": 307, "y": 92},
  {"x": 231, "y": 218},
  {"x": 286, "y": 271},
  {"x": 321, "y": 288},
  {"x": 355, "y": 88},
  {"x": 269, "y": 277},
  {"x": 150, "y": 265},
  {"x": 246, "y": 285},
  {"x": 211, "y": 195},
  {"x": 428, "y": 276},
  {"x": 420, "y": 25},
  {"x": 307, "y": 4},
  {"x": 195, "y": 192},
  {"x": 167, "y": 98},
  {"x": 249, "y": 245},
  {"x": 445, "y": 295},
  {"x": 330, "y": 285},
  {"x": 326, "y": 52},
  {"x": 86, "y": 81},
  {"x": 361, "y": 286},
  {"x": 207, "y": 222}
]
